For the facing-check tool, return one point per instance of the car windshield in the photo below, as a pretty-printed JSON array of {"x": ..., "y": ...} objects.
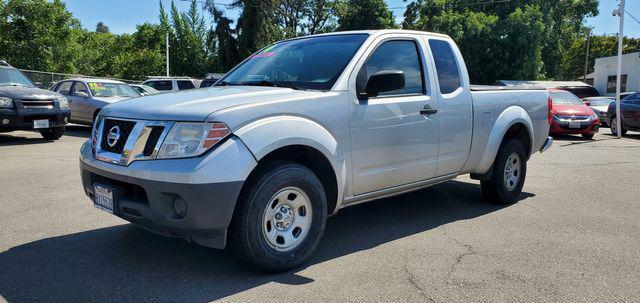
[
  {"x": 105, "y": 90},
  {"x": 307, "y": 63},
  {"x": 601, "y": 102},
  {"x": 565, "y": 98},
  {"x": 13, "y": 77}
]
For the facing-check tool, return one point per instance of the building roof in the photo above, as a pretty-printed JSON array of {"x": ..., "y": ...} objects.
[{"x": 545, "y": 84}]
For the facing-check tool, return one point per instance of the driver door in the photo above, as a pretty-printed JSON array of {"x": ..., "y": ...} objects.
[
  {"x": 394, "y": 142},
  {"x": 82, "y": 99}
]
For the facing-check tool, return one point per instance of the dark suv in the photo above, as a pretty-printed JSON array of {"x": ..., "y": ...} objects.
[{"x": 25, "y": 107}]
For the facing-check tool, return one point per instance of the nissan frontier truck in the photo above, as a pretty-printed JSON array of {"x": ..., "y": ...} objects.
[{"x": 302, "y": 129}]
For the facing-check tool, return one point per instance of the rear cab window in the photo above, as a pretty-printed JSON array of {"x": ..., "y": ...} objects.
[
  {"x": 446, "y": 66},
  {"x": 185, "y": 84},
  {"x": 160, "y": 84},
  {"x": 64, "y": 88}
]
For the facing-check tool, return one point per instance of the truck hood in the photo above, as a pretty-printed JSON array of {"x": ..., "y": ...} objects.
[
  {"x": 30, "y": 93},
  {"x": 198, "y": 104},
  {"x": 568, "y": 110}
]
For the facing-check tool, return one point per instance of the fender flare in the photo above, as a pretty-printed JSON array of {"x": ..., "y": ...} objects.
[
  {"x": 269, "y": 134},
  {"x": 509, "y": 117}
]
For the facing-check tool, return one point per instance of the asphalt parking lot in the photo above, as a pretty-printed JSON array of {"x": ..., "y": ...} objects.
[{"x": 574, "y": 236}]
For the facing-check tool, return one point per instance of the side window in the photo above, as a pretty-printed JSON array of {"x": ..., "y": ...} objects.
[
  {"x": 79, "y": 87},
  {"x": 160, "y": 85},
  {"x": 64, "y": 88},
  {"x": 398, "y": 55},
  {"x": 446, "y": 66},
  {"x": 184, "y": 84}
]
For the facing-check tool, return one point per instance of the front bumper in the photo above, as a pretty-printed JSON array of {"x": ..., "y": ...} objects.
[
  {"x": 192, "y": 198},
  {"x": 562, "y": 127},
  {"x": 22, "y": 119}
]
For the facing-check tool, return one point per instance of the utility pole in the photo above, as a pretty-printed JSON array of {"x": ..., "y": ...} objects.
[
  {"x": 586, "y": 58},
  {"x": 620, "y": 13},
  {"x": 167, "y": 52}
]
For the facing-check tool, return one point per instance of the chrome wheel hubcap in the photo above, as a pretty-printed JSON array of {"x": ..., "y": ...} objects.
[
  {"x": 512, "y": 170},
  {"x": 287, "y": 219}
]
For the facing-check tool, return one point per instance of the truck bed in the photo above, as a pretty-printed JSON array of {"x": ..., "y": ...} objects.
[{"x": 475, "y": 87}]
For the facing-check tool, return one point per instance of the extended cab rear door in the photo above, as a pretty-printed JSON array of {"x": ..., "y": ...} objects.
[
  {"x": 392, "y": 142},
  {"x": 455, "y": 108}
]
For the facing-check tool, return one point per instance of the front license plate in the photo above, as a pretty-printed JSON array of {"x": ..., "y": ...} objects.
[
  {"x": 574, "y": 124},
  {"x": 41, "y": 123},
  {"x": 103, "y": 198}
]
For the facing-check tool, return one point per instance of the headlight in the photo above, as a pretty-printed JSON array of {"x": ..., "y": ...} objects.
[
  {"x": 6, "y": 102},
  {"x": 187, "y": 139},
  {"x": 63, "y": 103},
  {"x": 593, "y": 117}
]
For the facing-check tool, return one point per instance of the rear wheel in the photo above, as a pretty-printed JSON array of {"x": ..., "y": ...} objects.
[
  {"x": 53, "y": 133},
  {"x": 614, "y": 127},
  {"x": 280, "y": 217},
  {"x": 508, "y": 174}
]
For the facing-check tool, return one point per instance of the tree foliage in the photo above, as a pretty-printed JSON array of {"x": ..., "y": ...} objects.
[
  {"x": 519, "y": 39},
  {"x": 599, "y": 46},
  {"x": 363, "y": 14}
]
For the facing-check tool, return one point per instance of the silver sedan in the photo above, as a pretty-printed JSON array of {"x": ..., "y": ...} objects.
[{"x": 87, "y": 96}]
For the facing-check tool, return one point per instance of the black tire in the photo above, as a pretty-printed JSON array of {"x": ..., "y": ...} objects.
[
  {"x": 495, "y": 189},
  {"x": 587, "y": 136},
  {"x": 613, "y": 128},
  {"x": 53, "y": 133},
  {"x": 246, "y": 238}
]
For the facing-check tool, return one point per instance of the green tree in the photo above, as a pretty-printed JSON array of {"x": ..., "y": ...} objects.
[
  {"x": 257, "y": 25},
  {"x": 599, "y": 46},
  {"x": 363, "y": 14},
  {"x": 226, "y": 44},
  {"x": 102, "y": 28}
]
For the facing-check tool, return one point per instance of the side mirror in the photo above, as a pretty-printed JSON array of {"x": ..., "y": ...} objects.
[
  {"x": 586, "y": 102},
  {"x": 81, "y": 94},
  {"x": 382, "y": 81}
]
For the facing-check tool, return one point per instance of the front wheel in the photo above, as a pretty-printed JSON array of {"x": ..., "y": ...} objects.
[
  {"x": 280, "y": 218},
  {"x": 508, "y": 174},
  {"x": 53, "y": 133}
]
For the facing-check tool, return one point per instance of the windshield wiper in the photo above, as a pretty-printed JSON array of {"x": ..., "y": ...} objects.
[{"x": 272, "y": 84}]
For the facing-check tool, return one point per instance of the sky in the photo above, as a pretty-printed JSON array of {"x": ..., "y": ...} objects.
[{"x": 122, "y": 16}]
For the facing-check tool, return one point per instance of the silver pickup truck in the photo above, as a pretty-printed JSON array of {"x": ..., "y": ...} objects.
[{"x": 303, "y": 128}]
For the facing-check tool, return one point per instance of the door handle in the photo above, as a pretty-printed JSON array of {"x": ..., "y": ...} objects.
[{"x": 427, "y": 110}]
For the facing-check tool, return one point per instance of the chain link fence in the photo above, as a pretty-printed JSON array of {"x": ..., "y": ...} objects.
[{"x": 46, "y": 79}]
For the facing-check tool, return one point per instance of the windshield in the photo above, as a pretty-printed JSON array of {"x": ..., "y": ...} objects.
[
  {"x": 566, "y": 98},
  {"x": 307, "y": 63},
  {"x": 13, "y": 77},
  {"x": 601, "y": 102},
  {"x": 102, "y": 89}
]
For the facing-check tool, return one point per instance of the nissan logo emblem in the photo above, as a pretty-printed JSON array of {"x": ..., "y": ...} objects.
[{"x": 113, "y": 136}]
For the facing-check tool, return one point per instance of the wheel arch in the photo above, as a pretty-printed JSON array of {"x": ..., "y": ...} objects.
[
  {"x": 302, "y": 141},
  {"x": 513, "y": 122}
]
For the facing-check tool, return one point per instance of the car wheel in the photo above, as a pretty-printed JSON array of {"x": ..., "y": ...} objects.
[
  {"x": 280, "y": 218},
  {"x": 614, "y": 127},
  {"x": 587, "y": 136},
  {"x": 508, "y": 174},
  {"x": 53, "y": 133}
]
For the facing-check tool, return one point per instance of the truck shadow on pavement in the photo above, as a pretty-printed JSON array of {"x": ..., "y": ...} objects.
[{"x": 126, "y": 264}]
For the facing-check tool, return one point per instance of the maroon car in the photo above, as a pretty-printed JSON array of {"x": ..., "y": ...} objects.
[{"x": 571, "y": 115}]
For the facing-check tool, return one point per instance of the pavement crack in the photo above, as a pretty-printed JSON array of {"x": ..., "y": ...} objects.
[
  {"x": 469, "y": 250},
  {"x": 413, "y": 281}
]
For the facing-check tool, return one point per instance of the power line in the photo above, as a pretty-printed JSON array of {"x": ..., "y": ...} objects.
[{"x": 632, "y": 17}]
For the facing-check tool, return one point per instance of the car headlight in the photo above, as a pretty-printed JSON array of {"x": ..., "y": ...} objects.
[
  {"x": 188, "y": 139},
  {"x": 593, "y": 117},
  {"x": 6, "y": 102},
  {"x": 63, "y": 103}
]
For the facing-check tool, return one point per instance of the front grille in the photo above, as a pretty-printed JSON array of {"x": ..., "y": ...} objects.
[
  {"x": 574, "y": 117},
  {"x": 37, "y": 104},
  {"x": 154, "y": 136},
  {"x": 125, "y": 128}
]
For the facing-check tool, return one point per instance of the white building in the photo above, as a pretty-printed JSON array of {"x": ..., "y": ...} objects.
[{"x": 605, "y": 74}]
